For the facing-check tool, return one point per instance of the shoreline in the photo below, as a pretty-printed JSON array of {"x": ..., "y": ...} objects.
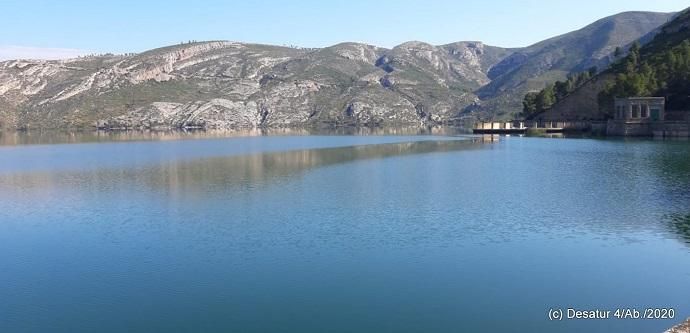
[{"x": 683, "y": 327}]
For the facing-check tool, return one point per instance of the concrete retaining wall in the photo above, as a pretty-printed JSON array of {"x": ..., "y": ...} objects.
[
  {"x": 657, "y": 129},
  {"x": 624, "y": 128},
  {"x": 670, "y": 129}
]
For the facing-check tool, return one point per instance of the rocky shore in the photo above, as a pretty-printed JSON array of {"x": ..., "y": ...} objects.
[{"x": 681, "y": 328}]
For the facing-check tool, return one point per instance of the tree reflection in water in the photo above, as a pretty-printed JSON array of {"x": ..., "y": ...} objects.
[{"x": 680, "y": 224}]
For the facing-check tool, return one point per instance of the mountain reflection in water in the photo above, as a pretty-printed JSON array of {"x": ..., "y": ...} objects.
[
  {"x": 256, "y": 169},
  {"x": 62, "y": 137}
]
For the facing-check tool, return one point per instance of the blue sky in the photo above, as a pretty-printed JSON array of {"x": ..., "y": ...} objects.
[{"x": 132, "y": 26}]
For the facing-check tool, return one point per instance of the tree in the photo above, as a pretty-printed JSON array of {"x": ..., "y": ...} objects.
[
  {"x": 634, "y": 56},
  {"x": 546, "y": 98},
  {"x": 535, "y": 102},
  {"x": 562, "y": 88},
  {"x": 660, "y": 68},
  {"x": 635, "y": 47},
  {"x": 529, "y": 104},
  {"x": 592, "y": 71},
  {"x": 618, "y": 52},
  {"x": 581, "y": 78}
]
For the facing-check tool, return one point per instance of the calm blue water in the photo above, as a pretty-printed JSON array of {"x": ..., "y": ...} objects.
[{"x": 342, "y": 234}]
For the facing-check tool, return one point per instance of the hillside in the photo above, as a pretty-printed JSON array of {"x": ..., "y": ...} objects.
[
  {"x": 533, "y": 67},
  {"x": 221, "y": 84},
  {"x": 659, "y": 68}
]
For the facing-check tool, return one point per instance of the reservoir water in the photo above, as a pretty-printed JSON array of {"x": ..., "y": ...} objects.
[{"x": 341, "y": 233}]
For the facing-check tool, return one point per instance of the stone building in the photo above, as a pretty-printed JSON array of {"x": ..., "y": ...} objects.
[
  {"x": 636, "y": 116},
  {"x": 639, "y": 109}
]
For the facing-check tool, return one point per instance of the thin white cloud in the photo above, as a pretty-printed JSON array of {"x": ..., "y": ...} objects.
[{"x": 9, "y": 52}]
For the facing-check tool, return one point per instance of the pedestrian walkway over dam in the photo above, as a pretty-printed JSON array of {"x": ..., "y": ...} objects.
[{"x": 519, "y": 126}]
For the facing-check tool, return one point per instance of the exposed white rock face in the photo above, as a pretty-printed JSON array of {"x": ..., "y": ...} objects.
[
  {"x": 470, "y": 53},
  {"x": 27, "y": 77},
  {"x": 289, "y": 103},
  {"x": 458, "y": 66},
  {"x": 407, "y": 53},
  {"x": 366, "y": 111},
  {"x": 217, "y": 113},
  {"x": 468, "y": 62},
  {"x": 358, "y": 52},
  {"x": 241, "y": 89},
  {"x": 82, "y": 87},
  {"x": 160, "y": 66},
  {"x": 9, "y": 82}
]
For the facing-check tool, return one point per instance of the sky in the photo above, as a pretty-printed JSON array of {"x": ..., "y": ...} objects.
[{"x": 55, "y": 29}]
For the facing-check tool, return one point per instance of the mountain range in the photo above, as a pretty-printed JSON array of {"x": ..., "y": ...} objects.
[{"x": 222, "y": 84}]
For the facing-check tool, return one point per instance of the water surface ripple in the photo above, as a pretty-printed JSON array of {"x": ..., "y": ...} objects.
[{"x": 341, "y": 234}]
